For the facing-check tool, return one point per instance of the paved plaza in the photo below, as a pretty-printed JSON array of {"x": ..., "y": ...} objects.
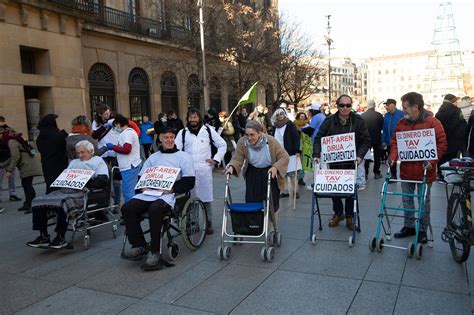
[{"x": 329, "y": 277}]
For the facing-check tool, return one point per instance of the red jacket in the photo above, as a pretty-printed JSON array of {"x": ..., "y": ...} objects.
[{"x": 414, "y": 170}]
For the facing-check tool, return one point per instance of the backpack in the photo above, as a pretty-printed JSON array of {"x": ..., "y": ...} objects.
[
  {"x": 5, "y": 153},
  {"x": 213, "y": 147}
]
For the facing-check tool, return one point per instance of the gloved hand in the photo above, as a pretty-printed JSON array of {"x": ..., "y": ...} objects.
[
  {"x": 316, "y": 160},
  {"x": 427, "y": 165},
  {"x": 359, "y": 160},
  {"x": 390, "y": 163},
  {"x": 109, "y": 146},
  {"x": 108, "y": 124}
]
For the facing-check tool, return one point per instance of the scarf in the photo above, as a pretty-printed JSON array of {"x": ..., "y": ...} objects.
[
  {"x": 300, "y": 123},
  {"x": 258, "y": 145},
  {"x": 81, "y": 129},
  {"x": 9, "y": 134},
  {"x": 281, "y": 123},
  {"x": 164, "y": 151}
]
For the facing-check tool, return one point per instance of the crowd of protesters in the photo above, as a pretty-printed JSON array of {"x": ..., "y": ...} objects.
[{"x": 272, "y": 143}]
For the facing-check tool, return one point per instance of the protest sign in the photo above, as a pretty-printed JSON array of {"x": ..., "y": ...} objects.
[
  {"x": 158, "y": 177},
  {"x": 73, "y": 178},
  {"x": 338, "y": 148},
  {"x": 307, "y": 152},
  {"x": 417, "y": 145},
  {"x": 335, "y": 181}
]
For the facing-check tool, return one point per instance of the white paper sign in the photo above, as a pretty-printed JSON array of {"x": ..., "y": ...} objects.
[
  {"x": 73, "y": 178},
  {"x": 417, "y": 145},
  {"x": 338, "y": 148},
  {"x": 335, "y": 181},
  {"x": 158, "y": 177}
]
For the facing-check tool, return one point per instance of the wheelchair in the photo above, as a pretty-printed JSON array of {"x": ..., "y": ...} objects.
[
  {"x": 187, "y": 219},
  {"x": 98, "y": 211}
]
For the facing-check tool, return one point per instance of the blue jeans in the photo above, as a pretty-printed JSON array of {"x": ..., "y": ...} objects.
[
  {"x": 129, "y": 181},
  {"x": 409, "y": 203}
]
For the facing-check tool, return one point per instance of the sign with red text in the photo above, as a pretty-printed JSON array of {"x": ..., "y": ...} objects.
[
  {"x": 73, "y": 178},
  {"x": 417, "y": 145},
  {"x": 335, "y": 181},
  {"x": 158, "y": 177},
  {"x": 338, "y": 148}
]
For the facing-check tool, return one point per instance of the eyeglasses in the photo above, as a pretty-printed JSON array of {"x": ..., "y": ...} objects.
[{"x": 345, "y": 105}]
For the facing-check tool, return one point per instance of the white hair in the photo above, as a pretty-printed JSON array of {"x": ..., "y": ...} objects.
[{"x": 86, "y": 145}]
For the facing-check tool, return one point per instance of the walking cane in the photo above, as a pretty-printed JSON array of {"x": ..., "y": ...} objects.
[{"x": 296, "y": 175}]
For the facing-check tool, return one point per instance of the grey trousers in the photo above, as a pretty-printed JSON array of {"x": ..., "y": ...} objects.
[
  {"x": 208, "y": 206},
  {"x": 409, "y": 203},
  {"x": 11, "y": 183}
]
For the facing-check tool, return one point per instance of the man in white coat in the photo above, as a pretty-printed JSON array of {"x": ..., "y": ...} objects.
[{"x": 198, "y": 139}]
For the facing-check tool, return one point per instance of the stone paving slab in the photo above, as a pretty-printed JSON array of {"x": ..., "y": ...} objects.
[
  {"x": 374, "y": 298},
  {"x": 150, "y": 307}
]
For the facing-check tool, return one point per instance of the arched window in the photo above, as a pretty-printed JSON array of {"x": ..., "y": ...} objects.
[
  {"x": 101, "y": 86},
  {"x": 139, "y": 94},
  {"x": 194, "y": 91},
  {"x": 215, "y": 94},
  {"x": 169, "y": 92},
  {"x": 269, "y": 96}
]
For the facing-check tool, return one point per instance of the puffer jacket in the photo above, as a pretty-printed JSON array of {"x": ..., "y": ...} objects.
[
  {"x": 390, "y": 122},
  {"x": 414, "y": 170},
  {"x": 332, "y": 126},
  {"x": 454, "y": 126}
]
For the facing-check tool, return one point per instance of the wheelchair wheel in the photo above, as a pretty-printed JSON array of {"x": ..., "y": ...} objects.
[{"x": 193, "y": 223}]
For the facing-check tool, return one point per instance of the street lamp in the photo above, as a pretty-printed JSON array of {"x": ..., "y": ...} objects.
[
  {"x": 329, "y": 42},
  {"x": 203, "y": 51}
]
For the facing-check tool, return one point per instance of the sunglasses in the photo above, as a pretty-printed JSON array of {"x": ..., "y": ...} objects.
[{"x": 345, "y": 105}]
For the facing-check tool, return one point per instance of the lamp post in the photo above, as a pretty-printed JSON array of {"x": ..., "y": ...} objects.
[
  {"x": 203, "y": 51},
  {"x": 329, "y": 42}
]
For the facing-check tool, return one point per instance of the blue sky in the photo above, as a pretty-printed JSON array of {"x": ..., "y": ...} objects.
[{"x": 373, "y": 28}]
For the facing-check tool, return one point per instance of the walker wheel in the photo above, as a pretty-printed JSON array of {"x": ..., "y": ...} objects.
[
  {"x": 263, "y": 254},
  {"x": 86, "y": 241},
  {"x": 388, "y": 237},
  {"x": 278, "y": 239},
  {"x": 313, "y": 239},
  {"x": 219, "y": 253},
  {"x": 379, "y": 244},
  {"x": 372, "y": 244},
  {"x": 270, "y": 253},
  {"x": 114, "y": 230},
  {"x": 419, "y": 251},
  {"x": 410, "y": 249},
  {"x": 173, "y": 251},
  {"x": 351, "y": 241},
  {"x": 226, "y": 252},
  {"x": 430, "y": 244},
  {"x": 272, "y": 238}
]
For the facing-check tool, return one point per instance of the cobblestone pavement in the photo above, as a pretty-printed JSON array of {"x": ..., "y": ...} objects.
[{"x": 329, "y": 277}]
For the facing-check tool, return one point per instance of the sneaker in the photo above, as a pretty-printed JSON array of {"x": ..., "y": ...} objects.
[
  {"x": 361, "y": 187},
  {"x": 58, "y": 243},
  {"x": 377, "y": 176},
  {"x": 301, "y": 182},
  {"x": 135, "y": 254},
  {"x": 284, "y": 195},
  {"x": 39, "y": 242},
  {"x": 155, "y": 262},
  {"x": 14, "y": 198},
  {"x": 335, "y": 220},
  {"x": 2, "y": 209},
  {"x": 209, "y": 230},
  {"x": 404, "y": 232},
  {"x": 349, "y": 222}
]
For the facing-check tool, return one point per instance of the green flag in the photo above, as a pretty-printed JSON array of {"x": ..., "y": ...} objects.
[{"x": 250, "y": 97}]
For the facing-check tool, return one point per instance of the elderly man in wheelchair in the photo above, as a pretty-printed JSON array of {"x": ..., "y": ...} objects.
[
  {"x": 160, "y": 207},
  {"x": 67, "y": 200}
]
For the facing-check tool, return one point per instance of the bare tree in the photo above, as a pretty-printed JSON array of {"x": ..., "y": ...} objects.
[{"x": 300, "y": 68}]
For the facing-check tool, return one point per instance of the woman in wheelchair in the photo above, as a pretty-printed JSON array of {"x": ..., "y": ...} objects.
[
  {"x": 66, "y": 200},
  {"x": 157, "y": 206}
]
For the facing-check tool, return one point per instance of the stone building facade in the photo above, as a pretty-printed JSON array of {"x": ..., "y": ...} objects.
[{"x": 72, "y": 54}]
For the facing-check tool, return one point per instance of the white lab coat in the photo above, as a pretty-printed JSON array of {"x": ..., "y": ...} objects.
[{"x": 199, "y": 148}]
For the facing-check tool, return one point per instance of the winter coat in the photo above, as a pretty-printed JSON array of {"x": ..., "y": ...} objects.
[
  {"x": 414, "y": 170},
  {"x": 454, "y": 126},
  {"x": 280, "y": 159},
  {"x": 390, "y": 122},
  {"x": 51, "y": 145},
  {"x": 332, "y": 126},
  {"x": 26, "y": 164},
  {"x": 145, "y": 138},
  {"x": 176, "y": 124},
  {"x": 291, "y": 138},
  {"x": 374, "y": 121}
]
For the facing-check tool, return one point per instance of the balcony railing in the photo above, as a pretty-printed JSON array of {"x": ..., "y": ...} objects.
[{"x": 108, "y": 17}]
